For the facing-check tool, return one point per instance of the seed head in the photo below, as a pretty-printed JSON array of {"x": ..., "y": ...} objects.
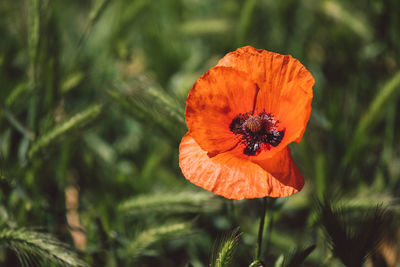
[{"x": 254, "y": 123}]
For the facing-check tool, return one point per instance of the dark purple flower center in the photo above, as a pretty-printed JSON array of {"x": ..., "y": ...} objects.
[{"x": 258, "y": 131}]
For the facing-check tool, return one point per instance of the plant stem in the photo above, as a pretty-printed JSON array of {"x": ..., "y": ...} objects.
[
  {"x": 270, "y": 226},
  {"x": 261, "y": 229}
]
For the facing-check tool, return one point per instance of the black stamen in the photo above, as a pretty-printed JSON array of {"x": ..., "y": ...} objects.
[
  {"x": 236, "y": 125},
  {"x": 275, "y": 137},
  {"x": 251, "y": 149}
]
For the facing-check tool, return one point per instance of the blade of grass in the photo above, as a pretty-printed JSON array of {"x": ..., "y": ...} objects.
[
  {"x": 34, "y": 35},
  {"x": 16, "y": 94},
  {"x": 298, "y": 256},
  {"x": 224, "y": 249},
  {"x": 354, "y": 21},
  {"x": 168, "y": 203},
  {"x": 95, "y": 14},
  {"x": 320, "y": 175},
  {"x": 17, "y": 124},
  {"x": 244, "y": 22},
  {"x": 148, "y": 237},
  {"x": 77, "y": 120},
  {"x": 371, "y": 116},
  {"x": 32, "y": 246},
  {"x": 387, "y": 91},
  {"x": 196, "y": 27},
  {"x": 152, "y": 106},
  {"x": 353, "y": 241}
]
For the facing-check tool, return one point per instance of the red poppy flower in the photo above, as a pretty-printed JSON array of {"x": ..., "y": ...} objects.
[{"x": 241, "y": 116}]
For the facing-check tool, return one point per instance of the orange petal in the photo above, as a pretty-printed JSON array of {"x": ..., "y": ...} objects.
[
  {"x": 285, "y": 88},
  {"x": 237, "y": 178},
  {"x": 283, "y": 168},
  {"x": 295, "y": 106},
  {"x": 213, "y": 102}
]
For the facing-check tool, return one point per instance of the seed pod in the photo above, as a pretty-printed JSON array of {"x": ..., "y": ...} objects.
[{"x": 254, "y": 123}]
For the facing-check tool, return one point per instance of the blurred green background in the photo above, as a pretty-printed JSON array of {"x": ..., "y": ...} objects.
[{"x": 92, "y": 97}]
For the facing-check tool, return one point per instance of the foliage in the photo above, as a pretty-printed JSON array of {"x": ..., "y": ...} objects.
[
  {"x": 153, "y": 235},
  {"x": 33, "y": 247},
  {"x": 92, "y": 97},
  {"x": 297, "y": 257},
  {"x": 224, "y": 250},
  {"x": 354, "y": 246},
  {"x": 188, "y": 202}
]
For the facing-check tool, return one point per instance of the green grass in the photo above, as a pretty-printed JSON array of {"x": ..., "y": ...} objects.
[{"x": 92, "y": 95}]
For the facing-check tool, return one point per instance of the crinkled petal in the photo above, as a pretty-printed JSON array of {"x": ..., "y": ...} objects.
[
  {"x": 238, "y": 178},
  {"x": 283, "y": 168},
  {"x": 285, "y": 89},
  {"x": 213, "y": 102}
]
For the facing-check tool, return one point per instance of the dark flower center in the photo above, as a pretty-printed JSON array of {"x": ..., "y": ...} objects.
[{"x": 258, "y": 131}]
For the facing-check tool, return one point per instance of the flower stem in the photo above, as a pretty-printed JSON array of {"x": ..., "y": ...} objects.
[
  {"x": 261, "y": 229},
  {"x": 270, "y": 226}
]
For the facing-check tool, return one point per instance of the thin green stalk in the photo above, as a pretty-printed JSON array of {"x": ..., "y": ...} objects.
[
  {"x": 34, "y": 35},
  {"x": 245, "y": 21},
  {"x": 96, "y": 12},
  {"x": 17, "y": 124},
  {"x": 261, "y": 229},
  {"x": 269, "y": 227},
  {"x": 371, "y": 117},
  {"x": 77, "y": 120},
  {"x": 257, "y": 261}
]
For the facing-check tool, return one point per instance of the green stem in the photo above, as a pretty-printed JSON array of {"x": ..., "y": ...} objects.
[
  {"x": 270, "y": 226},
  {"x": 261, "y": 229}
]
